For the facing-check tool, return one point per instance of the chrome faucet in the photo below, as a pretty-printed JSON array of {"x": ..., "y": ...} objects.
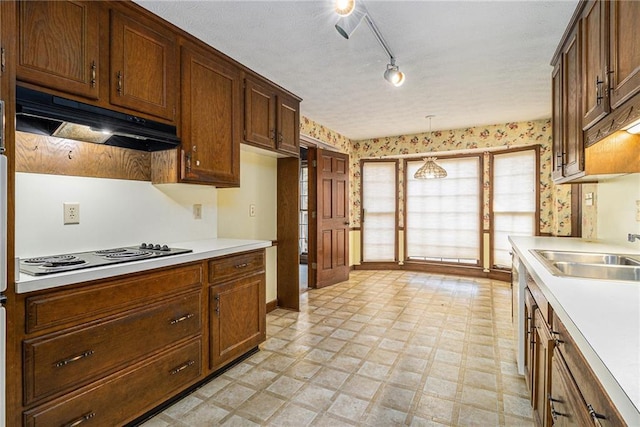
[{"x": 633, "y": 237}]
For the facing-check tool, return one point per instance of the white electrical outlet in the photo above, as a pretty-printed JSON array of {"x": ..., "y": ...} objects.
[
  {"x": 252, "y": 210},
  {"x": 71, "y": 213},
  {"x": 197, "y": 211}
]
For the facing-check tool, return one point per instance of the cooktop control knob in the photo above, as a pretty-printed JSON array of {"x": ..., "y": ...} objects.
[
  {"x": 165, "y": 248},
  {"x": 157, "y": 247},
  {"x": 143, "y": 246}
]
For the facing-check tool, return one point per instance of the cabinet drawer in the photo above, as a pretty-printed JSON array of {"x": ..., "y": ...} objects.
[
  {"x": 541, "y": 301},
  {"x": 586, "y": 380},
  {"x": 58, "y": 362},
  {"x": 124, "y": 397},
  {"x": 95, "y": 301},
  {"x": 225, "y": 268}
]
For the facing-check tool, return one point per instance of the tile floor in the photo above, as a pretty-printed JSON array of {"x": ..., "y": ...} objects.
[{"x": 385, "y": 348}]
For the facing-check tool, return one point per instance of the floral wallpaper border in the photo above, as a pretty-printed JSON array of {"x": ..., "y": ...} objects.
[{"x": 555, "y": 200}]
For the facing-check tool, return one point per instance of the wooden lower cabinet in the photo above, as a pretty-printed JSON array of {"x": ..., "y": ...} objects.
[
  {"x": 237, "y": 307},
  {"x": 564, "y": 389},
  {"x": 125, "y": 396}
]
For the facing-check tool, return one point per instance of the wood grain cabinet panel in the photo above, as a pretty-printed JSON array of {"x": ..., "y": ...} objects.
[
  {"x": 143, "y": 66},
  {"x": 237, "y": 306},
  {"x": 259, "y": 114},
  {"x": 595, "y": 37},
  {"x": 123, "y": 397},
  {"x": 58, "y": 45},
  {"x": 624, "y": 51},
  {"x": 58, "y": 362},
  {"x": 211, "y": 118},
  {"x": 71, "y": 307},
  {"x": 566, "y": 404},
  {"x": 271, "y": 117}
]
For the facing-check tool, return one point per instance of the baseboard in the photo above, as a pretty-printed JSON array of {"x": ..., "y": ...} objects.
[{"x": 272, "y": 305}]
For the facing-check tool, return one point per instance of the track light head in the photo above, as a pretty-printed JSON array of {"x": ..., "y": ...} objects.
[
  {"x": 344, "y": 7},
  {"x": 393, "y": 74},
  {"x": 347, "y": 24}
]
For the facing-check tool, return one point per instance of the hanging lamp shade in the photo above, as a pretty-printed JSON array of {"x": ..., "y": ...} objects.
[{"x": 430, "y": 170}]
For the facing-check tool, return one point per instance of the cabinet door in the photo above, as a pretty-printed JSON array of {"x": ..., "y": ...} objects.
[
  {"x": 211, "y": 119},
  {"x": 529, "y": 340},
  {"x": 143, "y": 66},
  {"x": 624, "y": 45},
  {"x": 58, "y": 45},
  {"x": 572, "y": 110},
  {"x": 556, "y": 122},
  {"x": 565, "y": 401},
  {"x": 237, "y": 319},
  {"x": 288, "y": 139},
  {"x": 544, "y": 346},
  {"x": 595, "y": 99},
  {"x": 259, "y": 114}
]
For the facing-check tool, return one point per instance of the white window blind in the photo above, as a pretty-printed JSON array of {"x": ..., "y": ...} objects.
[
  {"x": 379, "y": 195},
  {"x": 443, "y": 215},
  {"x": 514, "y": 201}
]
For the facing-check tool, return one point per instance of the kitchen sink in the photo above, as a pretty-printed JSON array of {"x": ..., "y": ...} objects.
[{"x": 602, "y": 266}]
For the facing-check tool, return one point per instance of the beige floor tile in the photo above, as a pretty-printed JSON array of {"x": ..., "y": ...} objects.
[{"x": 382, "y": 349}]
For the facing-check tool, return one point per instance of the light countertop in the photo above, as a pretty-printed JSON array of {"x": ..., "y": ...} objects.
[
  {"x": 202, "y": 249},
  {"x": 602, "y": 316}
]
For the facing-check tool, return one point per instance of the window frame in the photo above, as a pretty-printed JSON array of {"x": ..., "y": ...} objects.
[
  {"x": 480, "y": 263},
  {"x": 396, "y": 214},
  {"x": 536, "y": 225}
]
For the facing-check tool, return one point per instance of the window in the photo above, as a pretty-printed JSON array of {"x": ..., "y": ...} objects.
[
  {"x": 379, "y": 195},
  {"x": 515, "y": 200},
  {"x": 443, "y": 215},
  {"x": 303, "y": 243}
]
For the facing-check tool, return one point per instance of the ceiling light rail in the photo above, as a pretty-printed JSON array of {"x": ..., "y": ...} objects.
[{"x": 347, "y": 24}]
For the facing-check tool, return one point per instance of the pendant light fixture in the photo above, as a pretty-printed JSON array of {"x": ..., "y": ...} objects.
[
  {"x": 430, "y": 169},
  {"x": 349, "y": 21}
]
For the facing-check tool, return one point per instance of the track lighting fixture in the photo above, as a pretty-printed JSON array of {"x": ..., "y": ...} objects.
[
  {"x": 393, "y": 74},
  {"x": 347, "y": 24},
  {"x": 344, "y": 7}
]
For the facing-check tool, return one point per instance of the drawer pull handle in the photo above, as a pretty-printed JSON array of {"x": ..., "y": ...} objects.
[
  {"x": 243, "y": 265},
  {"x": 80, "y": 420},
  {"x": 554, "y": 413},
  {"x": 181, "y": 319},
  {"x": 594, "y": 415},
  {"x": 182, "y": 367},
  {"x": 555, "y": 339},
  {"x": 119, "y": 83},
  {"x": 73, "y": 359},
  {"x": 93, "y": 74}
]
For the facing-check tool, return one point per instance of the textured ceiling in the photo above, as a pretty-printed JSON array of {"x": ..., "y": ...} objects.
[{"x": 468, "y": 63}]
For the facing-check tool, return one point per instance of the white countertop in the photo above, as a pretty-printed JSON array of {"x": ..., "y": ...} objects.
[
  {"x": 202, "y": 249},
  {"x": 603, "y": 317}
]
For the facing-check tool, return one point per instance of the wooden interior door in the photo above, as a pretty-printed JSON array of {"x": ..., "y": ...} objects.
[{"x": 329, "y": 222}]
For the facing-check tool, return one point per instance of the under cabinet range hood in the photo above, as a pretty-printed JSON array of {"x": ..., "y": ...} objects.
[{"x": 50, "y": 115}]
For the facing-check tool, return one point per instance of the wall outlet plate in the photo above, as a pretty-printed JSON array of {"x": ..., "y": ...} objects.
[{"x": 71, "y": 213}]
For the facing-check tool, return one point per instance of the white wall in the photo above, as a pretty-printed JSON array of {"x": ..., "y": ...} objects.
[
  {"x": 258, "y": 186},
  {"x": 617, "y": 209},
  {"x": 112, "y": 213}
]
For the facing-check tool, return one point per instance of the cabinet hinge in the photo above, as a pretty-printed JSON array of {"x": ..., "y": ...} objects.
[
  {"x": 3, "y": 60},
  {"x": 314, "y": 163},
  {"x": 314, "y": 266},
  {"x": 313, "y": 214},
  {"x": 244, "y": 133}
]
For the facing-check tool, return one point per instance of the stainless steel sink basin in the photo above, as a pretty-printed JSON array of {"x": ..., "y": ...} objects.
[
  {"x": 590, "y": 257},
  {"x": 602, "y": 266}
]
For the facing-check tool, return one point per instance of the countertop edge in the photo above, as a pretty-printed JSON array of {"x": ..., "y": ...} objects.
[
  {"x": 539, "y": 273},
  {"x": 202, "y": 249}
]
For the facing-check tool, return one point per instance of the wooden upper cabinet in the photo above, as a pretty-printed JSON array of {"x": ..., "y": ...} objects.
[
  {"x": 58, "y": 45},
  {"x": 260, "y": 114},
  {"x": 624, "y": 47},
  {"x": 595, "y": 38},
  {"x": 573, "y": 159},
  {"x": 211, "y": 123},
  {"x": 143, "y": 66},
  {"x": 272, "y": 117},
  {"x": 288, "y": 137},
  {"x": 557, "y": 160}
]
